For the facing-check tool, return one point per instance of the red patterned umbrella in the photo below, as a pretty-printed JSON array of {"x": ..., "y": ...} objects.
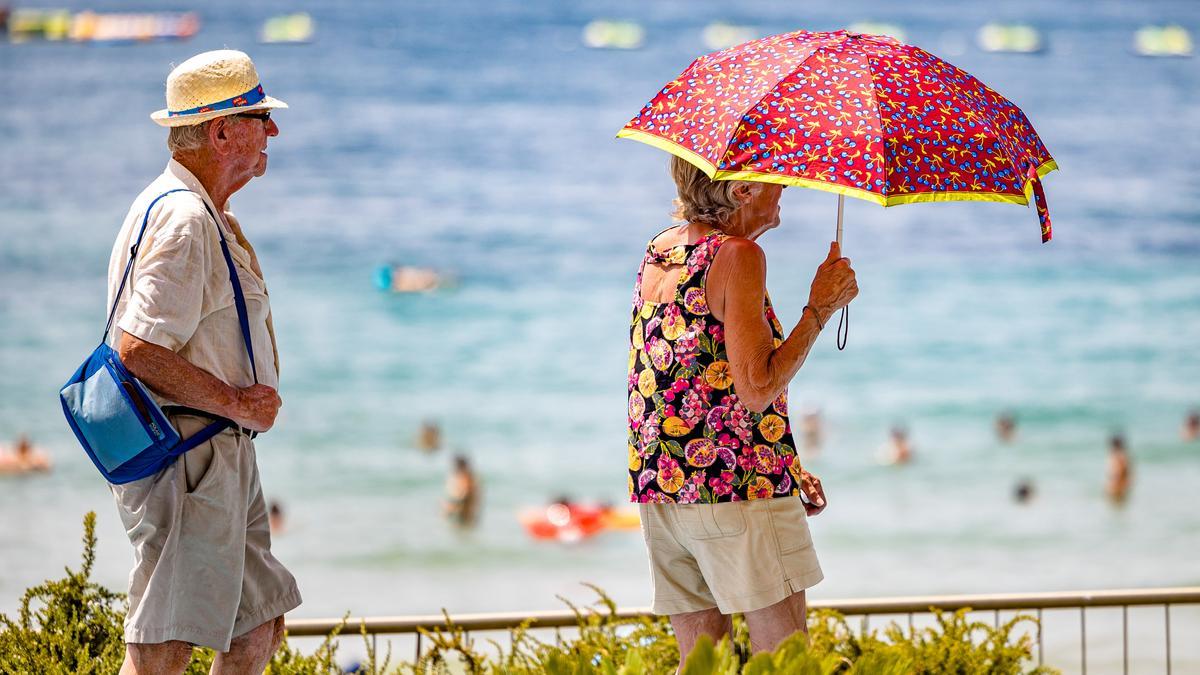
[{"x": 859, "y": 115}]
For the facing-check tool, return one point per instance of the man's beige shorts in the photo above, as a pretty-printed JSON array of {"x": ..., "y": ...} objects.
[
  {"x": 203, "y": 570},
  {"x": 736, "y": 556}
]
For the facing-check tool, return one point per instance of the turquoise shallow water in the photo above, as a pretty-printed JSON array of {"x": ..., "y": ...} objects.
[{"x": 479, "y": 138}]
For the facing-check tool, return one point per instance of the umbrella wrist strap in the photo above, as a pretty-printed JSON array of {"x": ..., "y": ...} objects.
[{"x": 843, "y": 333}]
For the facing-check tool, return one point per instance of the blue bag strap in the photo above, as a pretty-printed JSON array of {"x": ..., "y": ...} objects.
[
  {"x": 239, "y": 300},
  {"x": 202, "y": 436},
  {"x": 133, "y": 251}
]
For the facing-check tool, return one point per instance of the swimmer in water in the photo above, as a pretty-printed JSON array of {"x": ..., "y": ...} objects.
[
  {"x": 429, "y": 437},
  {"x": 462, "y": 494},
  {"x": 275, "y": 518},
  {"x": 1191, "y": 426},
  {"x": 1006, "y": 427},
  {"x": 1023, "y": 492},
  {"x": 897, "y": 450},
  {"x": 24, "y": 458},
  {"x": 1120, "y": 470},
  {"x": 812, "y": 429},
  {"x": 411, "y": 279}
]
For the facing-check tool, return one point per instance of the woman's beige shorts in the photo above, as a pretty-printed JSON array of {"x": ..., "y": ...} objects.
[{"x": 736, "y": 556}]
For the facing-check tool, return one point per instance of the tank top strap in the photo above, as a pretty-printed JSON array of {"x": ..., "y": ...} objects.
[
  {"x": 696, "y": 258},
  {"x": 700, "y": 256}
]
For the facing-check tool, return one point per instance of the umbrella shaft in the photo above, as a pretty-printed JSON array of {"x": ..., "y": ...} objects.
[{"x": 841, "y": 205}]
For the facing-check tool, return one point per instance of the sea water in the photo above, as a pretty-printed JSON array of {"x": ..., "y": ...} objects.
[{"x": 478, "y": 138}]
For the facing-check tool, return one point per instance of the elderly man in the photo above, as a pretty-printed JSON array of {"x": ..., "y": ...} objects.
[{"x": 203, "y": 571}]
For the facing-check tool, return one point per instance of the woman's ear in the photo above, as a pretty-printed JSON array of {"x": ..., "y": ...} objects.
[{"x": 743, "y": 192}]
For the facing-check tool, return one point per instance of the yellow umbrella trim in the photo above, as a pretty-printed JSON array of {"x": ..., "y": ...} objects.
[{"x": 892, "y": 200}]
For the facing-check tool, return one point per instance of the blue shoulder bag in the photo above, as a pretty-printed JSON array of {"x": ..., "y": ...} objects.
[{"x": 120, "y": 426}]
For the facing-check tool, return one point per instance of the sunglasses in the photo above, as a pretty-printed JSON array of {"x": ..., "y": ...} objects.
[{"x": 263, "y": 117}]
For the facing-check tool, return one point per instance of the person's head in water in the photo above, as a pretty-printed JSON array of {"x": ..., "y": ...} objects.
[
  {"x": 1006, "y": 426},
  {"x": 1116, "y": 443},
  {"x": 1023, "y": 492},
  {"x": 1191, "y": 425},
  {"x": 429, "y": 437},
  {"x": 276, "y": 519}
]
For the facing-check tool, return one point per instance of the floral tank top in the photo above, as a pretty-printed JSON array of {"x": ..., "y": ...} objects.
[{"x": 690, "y": 439}]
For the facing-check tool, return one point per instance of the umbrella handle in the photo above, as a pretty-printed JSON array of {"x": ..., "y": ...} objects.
[{"x": 843, "y": 333}]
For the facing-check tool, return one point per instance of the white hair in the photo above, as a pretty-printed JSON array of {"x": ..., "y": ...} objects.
[
  {"x": 188, "y": 138},
  {"x": 702, "y": 200}
]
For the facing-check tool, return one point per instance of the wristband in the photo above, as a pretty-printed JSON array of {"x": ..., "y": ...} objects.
[{"x": 815, "y": 316}]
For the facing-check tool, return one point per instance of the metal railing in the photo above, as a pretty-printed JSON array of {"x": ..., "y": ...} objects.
[{"x": 864, "y": 608}]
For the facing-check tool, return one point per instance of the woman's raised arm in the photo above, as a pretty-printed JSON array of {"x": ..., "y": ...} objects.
[{"x": 737, "y": 289}]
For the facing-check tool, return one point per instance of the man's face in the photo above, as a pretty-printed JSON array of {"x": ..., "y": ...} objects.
[{"x": 249, "y": 133}]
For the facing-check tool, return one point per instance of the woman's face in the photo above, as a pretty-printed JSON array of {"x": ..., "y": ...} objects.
[{"x": 759, "y": 211}]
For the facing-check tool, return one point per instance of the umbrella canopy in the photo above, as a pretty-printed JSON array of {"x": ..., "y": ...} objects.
[{"x": 859, "y": 115}]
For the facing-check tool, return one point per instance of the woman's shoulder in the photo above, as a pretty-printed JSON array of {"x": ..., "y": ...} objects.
[{"x": 739, "y": 251}]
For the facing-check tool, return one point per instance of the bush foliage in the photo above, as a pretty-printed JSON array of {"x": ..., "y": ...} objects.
[{"x": 74, "y": 625}]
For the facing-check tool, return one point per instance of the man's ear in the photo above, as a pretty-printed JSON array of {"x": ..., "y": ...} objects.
[{"x": 218, "y": 134}]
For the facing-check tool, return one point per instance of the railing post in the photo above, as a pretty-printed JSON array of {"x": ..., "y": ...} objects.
[
  {"x": 1083, "y": 638},
  {"x": 1040, "y": 650},
  {"x": 1167, "y": 614},
  {"x": 418, "y": 646},
  {"x": 1125, "y": 639}
]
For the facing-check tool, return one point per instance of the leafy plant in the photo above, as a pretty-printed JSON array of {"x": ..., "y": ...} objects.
[
  {"x": 67, "y": 626},
  {"x": 73, "y": 625}
]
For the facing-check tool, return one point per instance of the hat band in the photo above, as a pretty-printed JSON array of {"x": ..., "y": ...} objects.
[{"x": 241, "y": 100}]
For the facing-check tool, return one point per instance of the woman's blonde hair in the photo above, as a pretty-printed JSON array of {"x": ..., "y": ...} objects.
[{"x": 701, "y": 199}]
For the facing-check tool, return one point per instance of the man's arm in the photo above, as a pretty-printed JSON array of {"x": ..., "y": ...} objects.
[{"x": 176, "y": 378}]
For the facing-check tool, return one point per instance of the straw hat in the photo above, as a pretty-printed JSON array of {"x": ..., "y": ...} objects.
[{"x": 213, "y": 84}]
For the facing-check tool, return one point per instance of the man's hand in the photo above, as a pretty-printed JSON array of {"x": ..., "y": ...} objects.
[
  {"x": 834, "y": 285},
  {"x": 255, "y": 407},
  {"x": 810, "y": 485}
]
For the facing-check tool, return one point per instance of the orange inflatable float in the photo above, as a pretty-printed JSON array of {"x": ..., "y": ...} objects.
[{"x": 570, "y": 523}]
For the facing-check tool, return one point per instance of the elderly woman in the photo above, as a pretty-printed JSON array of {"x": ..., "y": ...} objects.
[{"x": 723, "y": 498}]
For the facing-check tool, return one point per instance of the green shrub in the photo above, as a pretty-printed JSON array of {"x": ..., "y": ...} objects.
[
  {"x": 75, "y": 626},
  {"x": 67, "y": 626}
]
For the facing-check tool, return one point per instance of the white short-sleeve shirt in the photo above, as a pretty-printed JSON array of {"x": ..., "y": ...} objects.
[{"x": 179, "y": 295}]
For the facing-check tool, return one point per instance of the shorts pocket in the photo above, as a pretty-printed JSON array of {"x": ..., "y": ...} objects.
[
  {"x": 790, "y": 523},
  {"x": 711, "y": 521},
  {"x": 195, "y": 463}
]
